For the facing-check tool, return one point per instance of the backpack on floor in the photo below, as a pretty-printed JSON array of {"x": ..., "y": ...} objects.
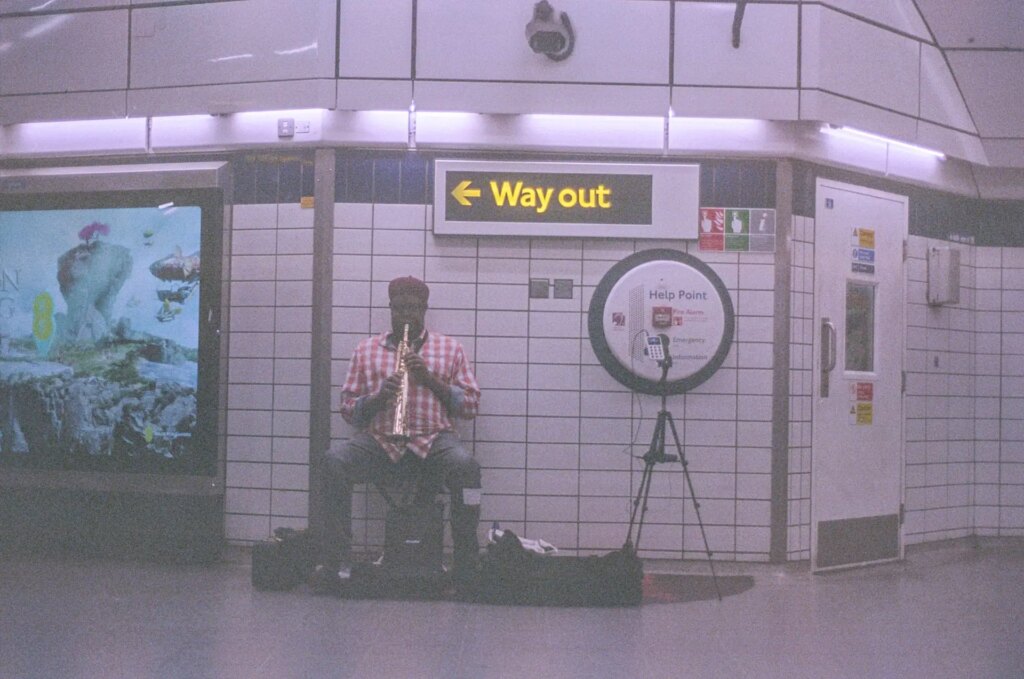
[{"x": 284, "y": 561}]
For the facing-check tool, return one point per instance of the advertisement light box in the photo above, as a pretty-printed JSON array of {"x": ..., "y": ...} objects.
[{"x": 101, "y": 338}]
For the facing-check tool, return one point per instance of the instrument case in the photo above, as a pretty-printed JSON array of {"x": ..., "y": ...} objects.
[{"x": 511, "y": 574}]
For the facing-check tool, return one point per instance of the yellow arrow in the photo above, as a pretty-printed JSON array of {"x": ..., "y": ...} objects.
[{"x": 462, "y": 192}]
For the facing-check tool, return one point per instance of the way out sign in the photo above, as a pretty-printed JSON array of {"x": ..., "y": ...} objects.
[{"x": 566, "y": 199}]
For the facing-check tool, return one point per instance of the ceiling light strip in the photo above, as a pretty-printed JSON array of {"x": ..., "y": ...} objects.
[{"x": 851, "y": 133}]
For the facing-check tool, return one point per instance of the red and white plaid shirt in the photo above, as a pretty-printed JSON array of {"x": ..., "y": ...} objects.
[{"x": 374, "y": 360}]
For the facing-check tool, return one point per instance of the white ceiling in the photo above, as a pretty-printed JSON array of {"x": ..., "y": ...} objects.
[
  {"x": 975, "y": 24},
  {"x": 983, "y": 43}
]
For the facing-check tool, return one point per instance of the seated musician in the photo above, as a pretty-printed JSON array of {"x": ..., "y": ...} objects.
[{"x": 441, "y": 387}]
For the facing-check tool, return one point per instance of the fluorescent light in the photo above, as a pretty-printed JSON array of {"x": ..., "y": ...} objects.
[
  {"x": 45, "y": 26},
  {"x": 305, "y": 48},
  {"x": 230, "y": 57},
  {"x": 720, "y": 124},
  {"x": 165, "y": 206},
  {"x": 851, "y": 133}
]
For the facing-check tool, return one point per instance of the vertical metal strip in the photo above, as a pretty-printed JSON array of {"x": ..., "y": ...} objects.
[
  {"x": 226, "y": 179},
  {"x": 666, "y": 132},
  {"x": 780, "y": 366},
  {"x": 323, "y": 302}
]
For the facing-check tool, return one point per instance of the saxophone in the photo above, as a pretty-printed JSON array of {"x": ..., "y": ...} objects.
[{"x": 400, "y": 424}]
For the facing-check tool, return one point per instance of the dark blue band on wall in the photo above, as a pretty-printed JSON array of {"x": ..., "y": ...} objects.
[
  {"x": 932, "y": 214},
  {"x": 363, "y": 176},
  {"x": 407, "y": 177}
]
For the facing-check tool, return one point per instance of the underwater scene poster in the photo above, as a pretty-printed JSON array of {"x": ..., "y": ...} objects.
[{"x": 99, "y": 337}]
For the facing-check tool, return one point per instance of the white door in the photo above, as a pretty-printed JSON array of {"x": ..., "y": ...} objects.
[{"x": 857, "y": 455}]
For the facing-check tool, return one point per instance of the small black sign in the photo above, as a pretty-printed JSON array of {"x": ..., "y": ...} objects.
[{"x": 548, "y": 197}]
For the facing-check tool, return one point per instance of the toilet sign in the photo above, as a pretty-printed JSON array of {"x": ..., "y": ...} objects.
[{"x": 566, "y": 199}]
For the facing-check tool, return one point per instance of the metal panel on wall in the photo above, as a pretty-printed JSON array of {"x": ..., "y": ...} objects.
[
  {"x": 766, "y": 56},
  {"x": 375, "y": 39},
  {"x": 834, "y": 58},
  {"x": 28, "y": 6},
  {"x": 618, "y": 64},
  {"x": 64, "y": 52},
  {"x": 617, "y": 42},
  {"x": 232, "y": 42}
]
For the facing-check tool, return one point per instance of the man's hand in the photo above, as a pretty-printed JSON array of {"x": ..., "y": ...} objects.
[
  {"x": 417, "y": 368},
  {"x": 419, "y": 371},
  {"x": 388, "y": 390}
]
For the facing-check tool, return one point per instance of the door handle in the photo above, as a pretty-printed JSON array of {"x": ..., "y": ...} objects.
[{"x": 828, "y": 353}]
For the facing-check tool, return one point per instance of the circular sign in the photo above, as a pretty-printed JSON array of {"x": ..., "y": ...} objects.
[{"x": 661, "y": 299}]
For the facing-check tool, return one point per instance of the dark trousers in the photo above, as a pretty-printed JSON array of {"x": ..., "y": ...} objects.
[{"x": 361, "y": 460}]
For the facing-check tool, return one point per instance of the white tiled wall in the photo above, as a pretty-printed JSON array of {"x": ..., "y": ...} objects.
[
  {"x": 269, "y": 370},
  {"x": 1007, "y": 516},
  {"x": 991, "y": 355},
  {"x": 556, "y": 435},
  {"x": 801, "y": 375},
  {"x": 964, "y": 437},
  {"x": 942, "y": 396}
]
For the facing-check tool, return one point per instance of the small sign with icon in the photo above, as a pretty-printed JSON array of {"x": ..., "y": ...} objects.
[{"x": 736, "y": 230}]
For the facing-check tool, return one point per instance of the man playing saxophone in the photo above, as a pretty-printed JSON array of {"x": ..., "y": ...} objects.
[{"x": 440, "y": 386}]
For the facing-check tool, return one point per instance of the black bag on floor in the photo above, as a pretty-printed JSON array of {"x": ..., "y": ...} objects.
[
  {"x": 511, "y": 574},
  {"x": 284, "y": 561}
]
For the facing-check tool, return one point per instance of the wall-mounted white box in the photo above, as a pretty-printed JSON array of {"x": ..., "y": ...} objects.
[{"x": 943, "y": 276}]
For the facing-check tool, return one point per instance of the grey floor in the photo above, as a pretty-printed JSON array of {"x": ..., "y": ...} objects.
[{"x": 952, "y": 610}]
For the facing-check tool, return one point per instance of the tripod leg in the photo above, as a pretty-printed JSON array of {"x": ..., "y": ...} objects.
[
  {"x": 654, "y": 453},
  {"x": 693, "y": 498},
  {"x": 642, "y": 494},
  {"x": 636, "y": 506}
]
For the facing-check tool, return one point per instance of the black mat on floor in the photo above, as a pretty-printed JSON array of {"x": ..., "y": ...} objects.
[
  {"x": 658, "y": 588},
  {"x": 667, "y": 588},
  {"x": 561, "y": 581}
]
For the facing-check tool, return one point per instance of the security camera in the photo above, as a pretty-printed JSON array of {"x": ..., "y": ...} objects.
[{"x": 555, "y": 39}]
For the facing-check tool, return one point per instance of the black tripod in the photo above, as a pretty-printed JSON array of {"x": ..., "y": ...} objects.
[{"x": 656, "y": 454}]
